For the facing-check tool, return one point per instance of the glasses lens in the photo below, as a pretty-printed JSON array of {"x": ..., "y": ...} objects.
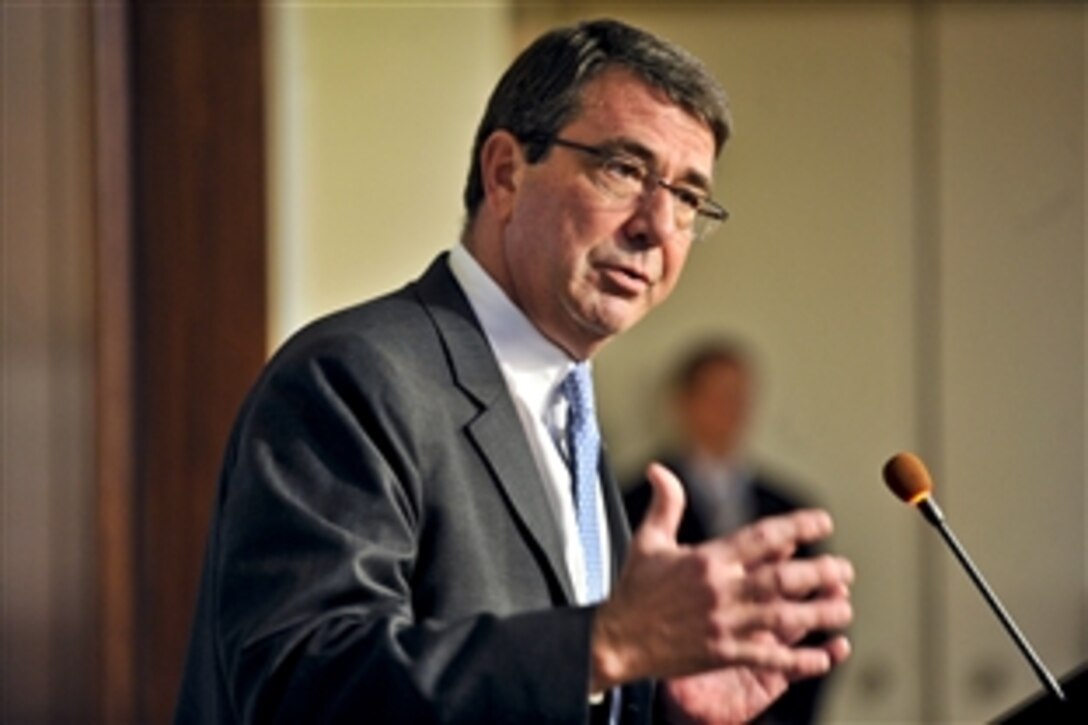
[
  {"x": 626, "y": 179},
  {"x": 684, "y": 207},
  {"x": 621, "y": 177},
  {"x": 703, "y": 226}
]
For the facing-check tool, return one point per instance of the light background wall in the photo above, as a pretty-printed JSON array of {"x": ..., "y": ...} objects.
[
  {"x": 1011, "y": 326},
  {"x": 907, "y": 252},
  {"x": 372, "y": 111}
]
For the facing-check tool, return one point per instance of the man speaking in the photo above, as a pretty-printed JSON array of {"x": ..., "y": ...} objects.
[{"x": 415, "y": 523}]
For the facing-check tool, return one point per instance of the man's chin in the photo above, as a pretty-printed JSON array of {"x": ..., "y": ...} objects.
[
  {"x": 607, "y": 317},
  {"x": 613, "y": 319}
]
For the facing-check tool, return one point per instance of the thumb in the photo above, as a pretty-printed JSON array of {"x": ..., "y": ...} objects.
[{"x": 666, "y": 507}]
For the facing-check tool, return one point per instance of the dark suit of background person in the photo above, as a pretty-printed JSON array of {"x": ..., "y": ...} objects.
[
  {"x": 713, "y": 393},
  {"x": 384, "y": 547}
]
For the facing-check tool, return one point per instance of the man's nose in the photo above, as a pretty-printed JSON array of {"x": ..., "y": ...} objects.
[{"x": 653, "y": 220}]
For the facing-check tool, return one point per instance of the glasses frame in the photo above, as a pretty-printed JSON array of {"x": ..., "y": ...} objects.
[{"x": 709, "y": 214}]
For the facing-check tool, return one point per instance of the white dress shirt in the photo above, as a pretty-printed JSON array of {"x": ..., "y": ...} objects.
[{"x": 533, "y": 368}]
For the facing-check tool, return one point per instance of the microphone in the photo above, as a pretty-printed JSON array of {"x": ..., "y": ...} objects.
[{"x": 909, "y": 480}]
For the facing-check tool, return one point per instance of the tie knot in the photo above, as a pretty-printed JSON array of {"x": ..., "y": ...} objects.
[{"x": 578, "y": 389}]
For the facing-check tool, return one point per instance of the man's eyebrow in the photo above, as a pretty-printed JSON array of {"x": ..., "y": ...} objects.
[{"x": 627, "y": 145}]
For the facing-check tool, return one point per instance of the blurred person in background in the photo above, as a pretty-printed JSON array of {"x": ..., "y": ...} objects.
[{"x": 713, "y": 393}]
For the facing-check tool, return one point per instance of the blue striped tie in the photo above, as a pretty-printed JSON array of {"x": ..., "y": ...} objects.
[{"x": 584, "y": 441}]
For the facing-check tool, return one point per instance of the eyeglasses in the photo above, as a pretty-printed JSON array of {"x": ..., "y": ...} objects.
[{"x": 625, "y": 177}]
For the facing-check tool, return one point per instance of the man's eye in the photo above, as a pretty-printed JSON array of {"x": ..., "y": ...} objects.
[
  {"x": 624, "y": 169},
  {"x": 688, "y": 197}
]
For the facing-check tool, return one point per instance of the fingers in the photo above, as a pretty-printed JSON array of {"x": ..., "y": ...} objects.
[
  {"x": 793, "y": 598},
  {"x": 787, "y": 618},
  {"x": 666, "y": 508},
  {"x": 767, "y": 653},
  {"x": 795, "y": 663},
  {"x": 774, "y": 538},
  {"x": 736, "y": 601},
  {"x": 838, "y": 648},
  {"x": 800, "y": 578},
  {"x": 816, "y": 661}
]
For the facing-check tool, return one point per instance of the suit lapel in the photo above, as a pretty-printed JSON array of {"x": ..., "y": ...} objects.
[
  {"x": 496, "y": 432},
  {"x": 619, "y": 531}
]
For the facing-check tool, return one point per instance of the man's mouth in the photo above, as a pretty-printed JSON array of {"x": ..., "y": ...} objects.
[{"x": 624, "y": 278}]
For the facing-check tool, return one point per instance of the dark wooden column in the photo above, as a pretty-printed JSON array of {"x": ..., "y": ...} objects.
[
  {"x": 199, "y": 260},
  {"x": 114, "y": 390}
]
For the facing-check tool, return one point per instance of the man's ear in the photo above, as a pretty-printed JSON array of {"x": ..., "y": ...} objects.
[{"x": 502, "y": 160}]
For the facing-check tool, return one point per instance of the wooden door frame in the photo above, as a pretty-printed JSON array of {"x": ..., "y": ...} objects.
[{"x": 180, "y": 315}]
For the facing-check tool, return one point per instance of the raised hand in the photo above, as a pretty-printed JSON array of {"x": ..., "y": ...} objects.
[{"x": 733, "y": 607}]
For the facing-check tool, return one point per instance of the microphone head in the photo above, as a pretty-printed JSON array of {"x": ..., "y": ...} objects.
[{"x": 908, "y": 478}]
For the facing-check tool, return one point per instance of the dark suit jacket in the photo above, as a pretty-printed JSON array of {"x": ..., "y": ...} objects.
[
  {"x": 769, "y": 497},
  {"x": 382, "y": 549}
]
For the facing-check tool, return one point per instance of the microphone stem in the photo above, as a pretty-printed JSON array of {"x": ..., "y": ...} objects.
[{"x": 976, "y": 576}]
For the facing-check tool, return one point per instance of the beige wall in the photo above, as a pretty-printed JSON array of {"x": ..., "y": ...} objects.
[
  {"x": 372, "y": 109},
  {"x": 907, "y": 252},
  {"x": 1012, "y": 328}
]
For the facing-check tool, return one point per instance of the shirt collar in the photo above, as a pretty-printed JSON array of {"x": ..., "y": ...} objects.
[{"x": 533, "y": 364}]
